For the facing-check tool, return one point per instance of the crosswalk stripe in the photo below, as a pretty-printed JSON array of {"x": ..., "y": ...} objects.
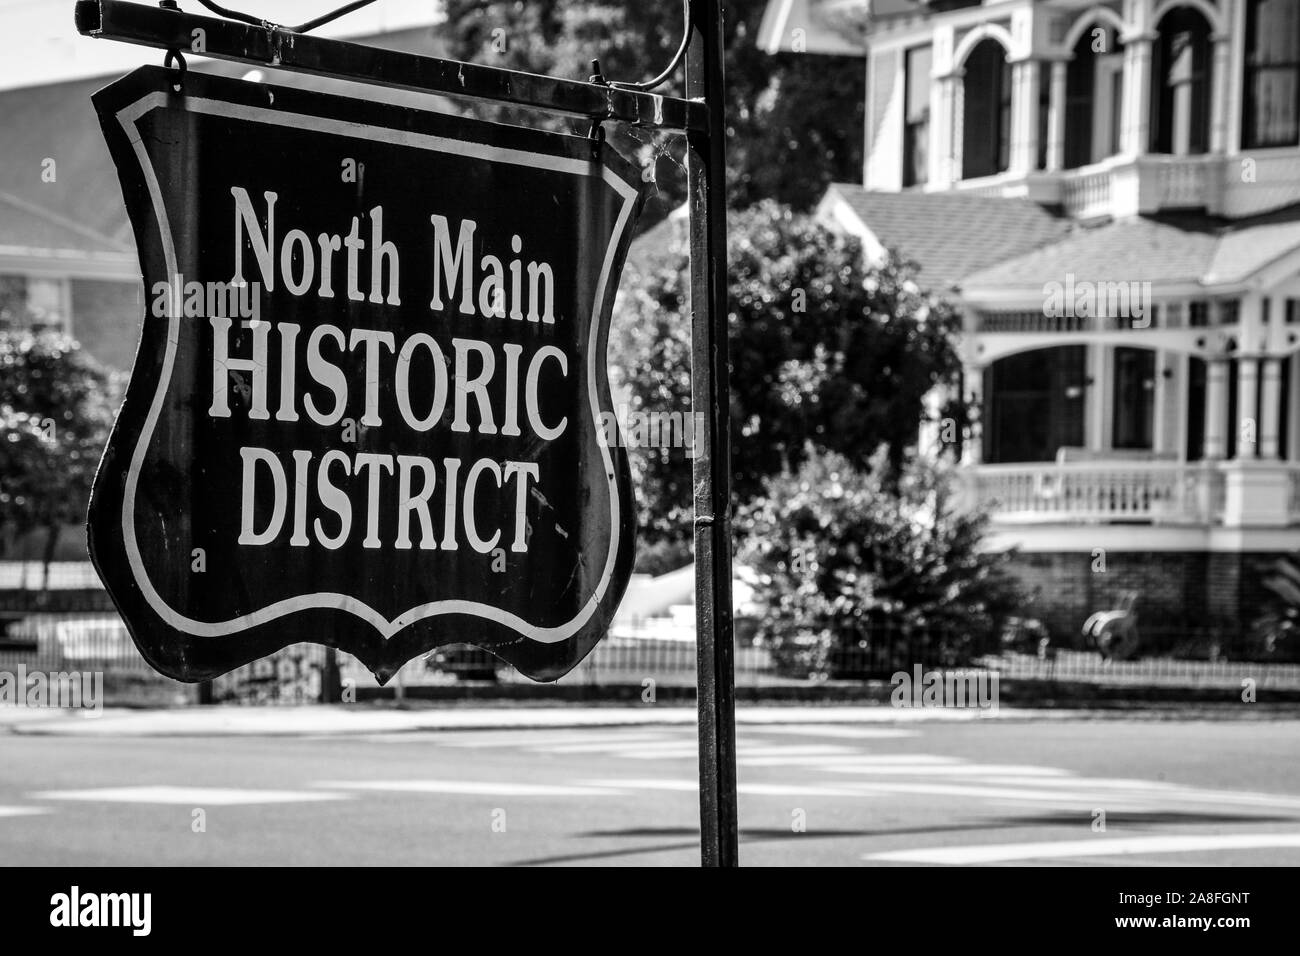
[
  {"x": 22, "y": 811},
  {"x": 835, "y": 761},
  {"x": 530, "y": 739},
  {"x": 621, "y": 743},
  {"x": 750, "y": 789},
  {"x": 776, "y": 755},
  {"x": 189, "y": 796},
  {"x": 1099, "y": 846},
  {"x": 1079, "y": 794},
  {"x": 996, "y": 771},
  {"x": 832, "y": 730},
  {"x": 493, "y": 788}
]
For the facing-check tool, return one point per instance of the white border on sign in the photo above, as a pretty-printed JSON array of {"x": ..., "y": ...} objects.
[{"x": 129, "y": 116}]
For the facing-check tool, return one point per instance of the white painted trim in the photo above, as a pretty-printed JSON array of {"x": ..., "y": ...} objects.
[
  {"x": 1083, "y": 538},
  {"x": 1086, "y": 19},
  {"x": 984, "y": 31},
  {"x": 128, "y": 117},
  {"x": 58, "y": 264}
]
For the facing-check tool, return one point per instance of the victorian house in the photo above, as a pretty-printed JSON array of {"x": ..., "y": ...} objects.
[{"x": 1111, "y": 194}]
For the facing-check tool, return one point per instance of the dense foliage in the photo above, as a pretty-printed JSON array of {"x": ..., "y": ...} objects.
[
  {"x": 794, "y": 120},
  {"x": 56, "y": 409},
  {"x": 827, "y": 352},
  {"x": 843, "y": 560}
]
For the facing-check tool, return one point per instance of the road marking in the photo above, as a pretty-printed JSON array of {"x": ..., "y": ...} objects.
[
  {"x": 621, "y": 743},
  {"x": 22, "y": 811},
  {"x": 997, "y": 771},
  {"x": 535, "y": 738},
  {"x": 830, "y": 730},
  {"x": 1099, "y": 846},
  {"x": 850, "y": 760},
  {"x": 811, "y": 754},
  {"x": 678, "y": 747},
  {"x": 487, "y": 788},
  {"x": 752, "y": 789},
  {"x": 189, "y": 796}
]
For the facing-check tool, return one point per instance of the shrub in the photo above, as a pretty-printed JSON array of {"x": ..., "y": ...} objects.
[{"x": 846, "y": 558}]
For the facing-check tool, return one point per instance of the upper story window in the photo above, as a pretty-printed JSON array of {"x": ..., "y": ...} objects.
[
  {"x": 986, "y": 120},
  {"x": 1094, "y": 90},
  {"x": 1180, "y": 75},
  {"x": 1271, "y": 113},
  {"x": 13, "y": 302},
  {"x": 32, "y": 303},
  {"x": 916, "y": 118}
]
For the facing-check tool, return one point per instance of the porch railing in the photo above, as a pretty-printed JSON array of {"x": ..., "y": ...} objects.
[
  {"x": 1155, "y": 492},
  {"x": 1087, "y": 194}
]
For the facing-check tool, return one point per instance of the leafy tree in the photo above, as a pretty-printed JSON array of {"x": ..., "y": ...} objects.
[
  {"x": 794, "y": 121},
  {"x": 56, "y": 409},
  {"x": 845, "y": 559},
  {"x": 826, "y": 352}
]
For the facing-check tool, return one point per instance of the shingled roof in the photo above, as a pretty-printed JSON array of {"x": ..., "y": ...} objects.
[
  {"x": 951, "y": 235},
  {"x": 27, "y": 229},
  {"x": 1167, "y": 250},
  {"x": 56, "y": 121}
]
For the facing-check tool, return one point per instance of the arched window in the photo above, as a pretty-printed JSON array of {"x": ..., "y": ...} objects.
[
  {"x": 986, "y": 119},
  {"x": 1180, "y": 75},
  {"x": 1094, "y": 93},
  {"x": 1271, "y": 114}
]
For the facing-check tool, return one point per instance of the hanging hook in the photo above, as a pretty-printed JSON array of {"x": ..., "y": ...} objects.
[
  {"x": 179, "y": 74},
  {"x": 300, "y": 28},
  {"x": 673, "y": 64}
]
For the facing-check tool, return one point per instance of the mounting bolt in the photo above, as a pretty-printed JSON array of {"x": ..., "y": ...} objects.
[{"x": 168, "y": 5}]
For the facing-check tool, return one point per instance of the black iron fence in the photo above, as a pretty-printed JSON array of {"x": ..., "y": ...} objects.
[{"x": 1170, "y": 654}]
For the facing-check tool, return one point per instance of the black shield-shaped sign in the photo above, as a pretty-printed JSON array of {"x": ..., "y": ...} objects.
[{"x": 369, "y": 407}]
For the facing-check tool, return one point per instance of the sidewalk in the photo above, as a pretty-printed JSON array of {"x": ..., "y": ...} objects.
[{"x": 353, "y": 719}]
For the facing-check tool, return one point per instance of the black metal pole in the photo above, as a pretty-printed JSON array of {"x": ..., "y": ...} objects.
[{"x": 710, "y": 393}]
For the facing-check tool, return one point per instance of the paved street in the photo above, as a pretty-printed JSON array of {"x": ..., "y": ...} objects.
[{"x": 1014, "y": 792}]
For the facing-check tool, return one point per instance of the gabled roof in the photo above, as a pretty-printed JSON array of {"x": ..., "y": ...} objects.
[
  {"x": 57, "y": 122},
  {"x": 1167, "y": 250},
  {"x": 951, "y": 235},
  {"x": 28, "y": 230},
  {"x": 831, "y": 27}
]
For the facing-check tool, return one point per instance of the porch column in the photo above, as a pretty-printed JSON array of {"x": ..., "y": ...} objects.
[
  {"x": 1024, "y": 113},
  {"x": 1096, "y": 420},
  {"x": 1216, "y": 410},
  {"x": 1221, "y": 82},
  {"x": 1293, "y": 409},
  {"x": 1247, "y": 424},
  {"x": 1270, "y": 410},
  {"x": 957, "y": 124},
  {"x": 1056, "y": 117},
  {"x": 972, "y": 448},
  {"x": 941, "y": 103},
  {"x": 1135, "y": 134}
]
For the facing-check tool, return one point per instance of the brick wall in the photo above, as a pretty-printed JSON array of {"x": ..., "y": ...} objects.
[{"x": 1176, "y": 589}]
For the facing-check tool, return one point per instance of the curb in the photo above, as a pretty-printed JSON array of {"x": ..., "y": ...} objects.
[{"x": 354, "y": 721}]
